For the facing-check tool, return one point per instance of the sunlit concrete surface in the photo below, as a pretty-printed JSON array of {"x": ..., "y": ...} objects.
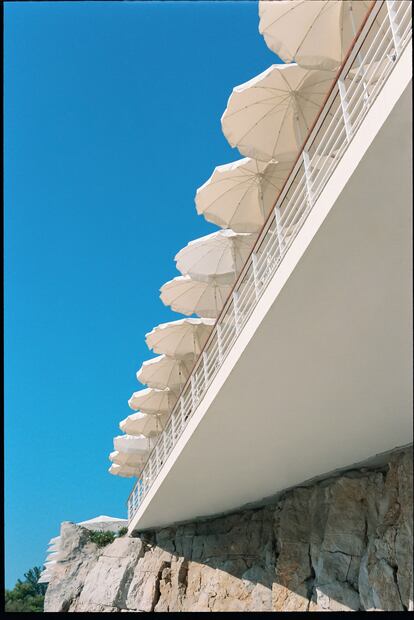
[{"x": 320, "y": 377}]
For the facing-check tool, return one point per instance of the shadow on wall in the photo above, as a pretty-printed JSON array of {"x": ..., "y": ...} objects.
[{"x": 343, "y": 544}]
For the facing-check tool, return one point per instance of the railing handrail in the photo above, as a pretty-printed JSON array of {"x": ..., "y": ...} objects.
[{"x": 360, "y": 37}]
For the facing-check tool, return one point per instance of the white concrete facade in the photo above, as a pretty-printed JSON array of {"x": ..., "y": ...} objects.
[{"x": 320, "y": 376}]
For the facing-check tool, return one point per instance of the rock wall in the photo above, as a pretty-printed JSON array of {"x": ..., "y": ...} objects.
[{"x": 344, "y": 543}]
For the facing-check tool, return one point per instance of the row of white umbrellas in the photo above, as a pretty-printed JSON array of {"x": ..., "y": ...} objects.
[
  {"x": 129, "y": 455},
  {"x": 220, "y": 257},
  {"x": 267, "y": 118},
  {"x": 178, "y": 343},
  {"x": 209, "y": 268}
]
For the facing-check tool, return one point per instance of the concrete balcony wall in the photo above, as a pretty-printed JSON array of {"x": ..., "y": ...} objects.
[{"x": 320, "y": 376}]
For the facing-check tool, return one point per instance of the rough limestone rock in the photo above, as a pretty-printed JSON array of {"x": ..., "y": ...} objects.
[
  {"x": 342, "y": 544},
  {"x": 78, "y": 555},
  {"x": 107, "y": 583}
]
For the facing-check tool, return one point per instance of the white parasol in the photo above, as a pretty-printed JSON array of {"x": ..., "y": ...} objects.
[
  {"x": 221, "y": 254},
  {"x": 143, "y": 424},
  {"x": 128, "y": 458},
  {"x": 124, "y": 471},
  {"x": 316, "y": 34},
  {"x": 241, "y": 195},
  {"x": 151, "y": 400},
  {"x": 166, "y": 372},
  {"x": 270, "y": 116},
  {"x": 188, "y": 296},
  {"x": 180, "y": 338}
]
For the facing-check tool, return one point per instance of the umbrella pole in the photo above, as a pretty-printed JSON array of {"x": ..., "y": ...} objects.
[
  {"x": 233, "y": 255},
  {"x": 180, "y": 372},
  {"x": 261, "y": 200},
  {"x": 297, "y": 129}
]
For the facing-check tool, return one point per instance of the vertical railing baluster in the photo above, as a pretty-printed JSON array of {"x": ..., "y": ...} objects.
[
  {"x": 158, "y": 458},
  {"x": 205, "y": 368},
  {"x": 279, "y": 230},
  {"x": 394, "y": 26},
  {"x": 308, "y": 181},
  {"x": 193, "y": 394},
  {"x": 255, "y": 275},
  {"x": 236, "y": 310},
  {"x": 182, "y": 416},
  {"x": 154, "y": 470},
  {"x": 173, "y": 428},
  {"x": 150, "y": 466},
  {"x": 167, "y": 441},
  {"x": 344, "y": 107},
  {"x": 219, "y": 342},
  {"x": 268, "y": 262}
]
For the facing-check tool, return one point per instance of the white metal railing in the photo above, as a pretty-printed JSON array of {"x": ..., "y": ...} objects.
[{"x": 372, "y": 57}]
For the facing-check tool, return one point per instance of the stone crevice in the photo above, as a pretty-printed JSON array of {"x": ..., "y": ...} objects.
[{"x": 395, "y": 571}]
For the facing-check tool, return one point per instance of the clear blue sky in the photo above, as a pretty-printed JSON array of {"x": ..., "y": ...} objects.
[{"x": 112, "y": 121}]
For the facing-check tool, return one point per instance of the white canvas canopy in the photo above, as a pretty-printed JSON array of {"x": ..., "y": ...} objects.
[
  {"x": 123, "y": 471},
  {"x": 316, "y": 34},
  {"x": 131, "y": 444},
  {"x": 270, "y": 116},
  {"x": 143, "y": 424},
  {"x": 152, "y": 400},
  {"x": 188, "y": 296},
  {"x": 102, "y": 520},
  {"x": 240, "y": 195},
  {"x": 180, "y": 338},
  {"x": 166, "y": 372},
  {"x": 221, "y": 254},
  {"x": 103, "y": 523},
  {"x": 130, "y": 458}
]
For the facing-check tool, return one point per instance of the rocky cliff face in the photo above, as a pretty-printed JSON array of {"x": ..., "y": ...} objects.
[{"x": 342, "y": 544}]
